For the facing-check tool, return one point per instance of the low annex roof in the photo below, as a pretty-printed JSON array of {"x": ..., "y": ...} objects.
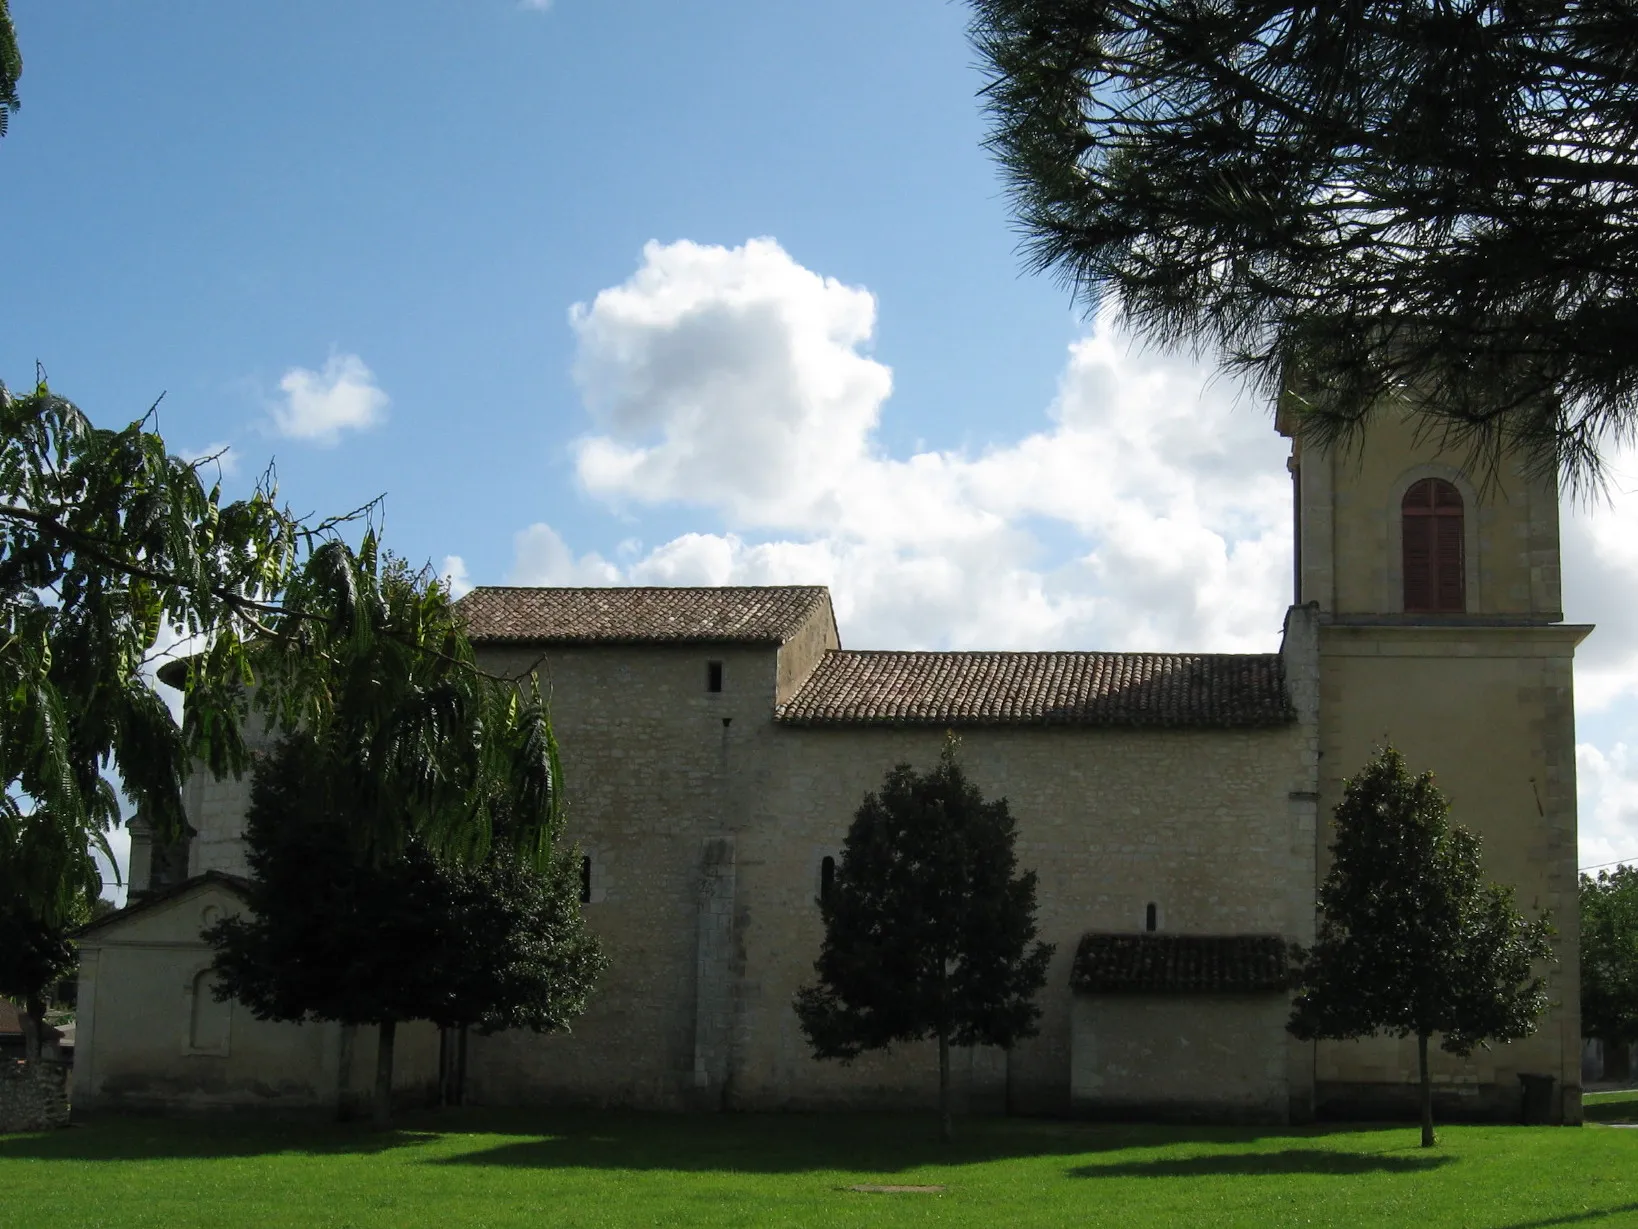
[
  {"x": 1167, "y": 690},
  {"x": 1180, "y": 964},
  {"x": 766, "y": 614},
  {"x": 150, "y": 900}
]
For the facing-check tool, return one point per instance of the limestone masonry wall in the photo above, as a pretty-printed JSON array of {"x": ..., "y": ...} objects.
[
  {"x": 707, "y": 822},
  {"x": 33, "y": 1095}
]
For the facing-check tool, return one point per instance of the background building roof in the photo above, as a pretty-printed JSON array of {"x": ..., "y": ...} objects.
[
  {"x": 745, "y": 615},
  {"x": 1109, "y": 689}
]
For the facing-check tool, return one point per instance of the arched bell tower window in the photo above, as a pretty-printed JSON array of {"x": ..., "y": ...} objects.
[{"x": 1434, "y": 568}]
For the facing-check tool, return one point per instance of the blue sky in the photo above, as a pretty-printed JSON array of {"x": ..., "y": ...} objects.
[{"x": 610, "y": 290}]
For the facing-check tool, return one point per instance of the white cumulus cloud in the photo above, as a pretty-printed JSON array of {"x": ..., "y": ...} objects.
[
  {"x": 738, "y": 382},
  {"x": 317, "y": 406},
  {"x": 216, "y": 460},
  {"x": 454, "y": 576},
  {"x": 1146, "y": 507}
]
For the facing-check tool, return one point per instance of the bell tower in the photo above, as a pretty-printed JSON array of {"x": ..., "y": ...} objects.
[{"x": 1441, "y": 631}]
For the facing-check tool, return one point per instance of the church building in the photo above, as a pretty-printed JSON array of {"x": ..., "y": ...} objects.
[{"x": 1175, "y": 806}]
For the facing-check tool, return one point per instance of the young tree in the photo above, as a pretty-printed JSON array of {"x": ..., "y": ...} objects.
[
  {"x": 1411, "y": 940},
  {"x": 929, "y": 930},
  {"x": 1609, "y": 956},
  {"x": 35, "y": 953},
  {"x": 1428, "y": 199},
  {"x": 337, "y": 931}
]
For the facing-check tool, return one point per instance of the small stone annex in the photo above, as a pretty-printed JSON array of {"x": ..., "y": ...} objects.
[{"x": 1175, "y": 806}]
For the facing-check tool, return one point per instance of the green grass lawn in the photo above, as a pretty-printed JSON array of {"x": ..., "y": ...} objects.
[{"x": 482, "y": 1168}]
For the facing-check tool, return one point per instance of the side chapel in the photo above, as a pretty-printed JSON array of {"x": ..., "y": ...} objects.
[{"x": 1175, "y": 806}]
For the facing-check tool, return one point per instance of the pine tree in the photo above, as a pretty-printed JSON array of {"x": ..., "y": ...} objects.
[
  {"x": 1411, "y": 941},
  {"x": 929, "y": 930},
  {"x": 1431, "y": 200}
]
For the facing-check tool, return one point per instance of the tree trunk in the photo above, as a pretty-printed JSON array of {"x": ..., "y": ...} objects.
[
  {"x": 460, "y": 1068},
  {"x": 381, "y": 1112},
  {"x": 33, "y": 1026},
  {"x": 946, "y": 1131},
  {"x": 1427, "y": 1089}
]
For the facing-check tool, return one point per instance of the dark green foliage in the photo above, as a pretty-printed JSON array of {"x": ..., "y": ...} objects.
[
  {"x": 369, "y": 656},
  {"x": 339, "y": 930},
  {"x": 110, "y": 547},
  {"x": 929, "y": 930},
  {"x": 11, "y": 67},
  {"x": 105, "y": 539},
  {"x": 1411, "y": 941},
  {"x": 1430, "y": 199},
  {"x": 34, "y": 956},
  {"x": 1609, "y": 956}
]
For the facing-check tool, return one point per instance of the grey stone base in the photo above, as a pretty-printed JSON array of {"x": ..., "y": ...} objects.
[{"x": 33, "y": 1095}]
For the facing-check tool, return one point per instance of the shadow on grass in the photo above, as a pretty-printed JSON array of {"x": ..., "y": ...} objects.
[
  {"x": 744, "y": 1143},
  {"x": 1262, "y": 1164},
  {"x": 807, "y": 1143},
  {"x": 1574, "y": 1218},
  {"x": 145, "y": 1139},
  {"x": 1611, "y": 1111}
]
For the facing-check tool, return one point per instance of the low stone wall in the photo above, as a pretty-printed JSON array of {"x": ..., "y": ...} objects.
[{"x": 33, "y": 1095}]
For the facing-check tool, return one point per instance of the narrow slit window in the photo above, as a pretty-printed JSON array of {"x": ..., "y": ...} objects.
[
  {"x": 585, "y": 880},
  {"x": 713, "y": 676},
  {"x": 1435, "y": 567},
  {"x": 1151, "y": 916},
  {"x": 827, "y": 878}
]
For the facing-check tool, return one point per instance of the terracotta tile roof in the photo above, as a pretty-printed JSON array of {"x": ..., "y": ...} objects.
[
  {"x": 759, "y": 615},
  {"x": 1180, "y": 964},
  {"x": 11, "y": 1023},
  {"x": 1099, "y": 689}
]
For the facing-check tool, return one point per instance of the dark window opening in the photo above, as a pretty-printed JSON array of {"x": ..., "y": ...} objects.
[
  {"x": 1151, "y": 916},
  {"x": 1435, "y": 579},
  {"x": 585, "y": 881},
  {"x": 827, "y": 878},
  {"x": 713, "y": 676}
]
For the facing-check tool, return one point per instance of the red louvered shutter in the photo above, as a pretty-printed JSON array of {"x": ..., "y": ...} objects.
[
  {"x": 1447, "y": 564},
  {"x": 1418, "y": 563},
  {"x": 1434, "y": 567}
]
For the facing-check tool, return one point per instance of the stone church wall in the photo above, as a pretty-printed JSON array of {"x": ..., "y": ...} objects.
[
  {"x": 1182, "y": 1057},
  {"x": 697, "y": 808},
  {"x": 1492, "y": 720},
  {"x": 1198, "y": 822},
  {"x": 653, "y": 762}
]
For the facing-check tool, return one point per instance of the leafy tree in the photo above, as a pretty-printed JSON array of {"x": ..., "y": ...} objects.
[
  {"x": 1411, "y": 940},
  {"x": 1428, "y": 199},
  {"x": 342, "y": 930},
  {"x": 35, "y": 953},
  {"x": 107, "y": 544},
  {"x": 110, "y": 549},
  {"x": 1609, "y": 956},
  {"x": 929, "y": 930},
  {"x": 11, "y": 67}
]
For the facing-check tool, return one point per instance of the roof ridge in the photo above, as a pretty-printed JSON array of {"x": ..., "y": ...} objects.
[
  {"x": 640, "y": 589},
  {"x": 1128, "y": 653},
  {"x": 1073, "y": 687}
]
